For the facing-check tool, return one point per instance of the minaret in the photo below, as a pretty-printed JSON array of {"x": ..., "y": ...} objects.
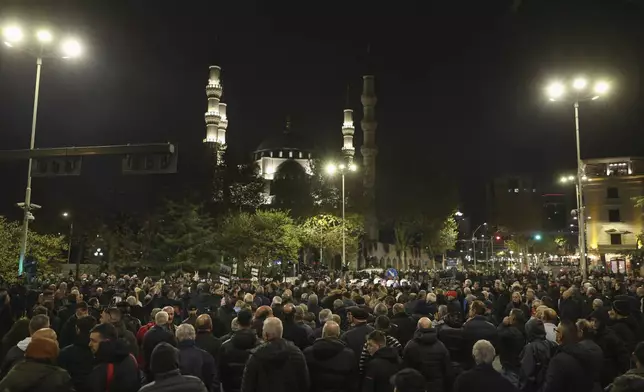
[
  {"x": 216, "y": 120},
  {"x": 348, "y": 151},
  {"x": 369, "y": 152}
]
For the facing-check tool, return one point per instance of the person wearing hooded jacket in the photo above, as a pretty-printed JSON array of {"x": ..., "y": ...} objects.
[
  {"x": 332, "y": 365},
  {"x": 616, "y": 356},
  {"x": 116, "y": 369},
  {"x": 535, "y": 356},
  {"x": 277, "y": 365},
  {"x": 17, "y": 352},
  {"x": 38, "y": 371},
  {"x": 234, "y": 353},
  {"x": 164, "y": 364},
  {"x": 624, "y": 324},
  {"x": 77, "y": 358},
  {"x": 430, "y": 357},
  {"x": 569, "y": 367}
]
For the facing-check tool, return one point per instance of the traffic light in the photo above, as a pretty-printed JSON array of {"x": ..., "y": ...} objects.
[
  {"x": 55, "y": 167},
  {"x": 537, "y": 237},
  {"x": 150, "y": 163},
  {"x": 498, "y": 238}
]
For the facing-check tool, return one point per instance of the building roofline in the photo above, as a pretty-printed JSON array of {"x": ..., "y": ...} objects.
[{"x": 611, "y": 159}]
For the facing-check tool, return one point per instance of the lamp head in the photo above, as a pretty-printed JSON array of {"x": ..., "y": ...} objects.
[
  {"x": 331, "y": 168},
  {"x": 12, "y": 34},
  {"x": 579, "y": 83},
  {"x": 71, "y": 48},
  {"x": 44, "y": 36},
  {"x": 601, "y": 87},
  {"x": 353, "y": 167},
  {"x": 555, "y": 90}
]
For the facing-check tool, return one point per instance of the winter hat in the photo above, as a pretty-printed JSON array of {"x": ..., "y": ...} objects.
[
  {"x": 408, "y": 380},
  {"x": 600, "y": 315},
  {"x": 42, "y": 349},
  {"x": 165, "y": 358},
  {"x": 451, "y": 293},
  {"x": 622, "y": 308}
]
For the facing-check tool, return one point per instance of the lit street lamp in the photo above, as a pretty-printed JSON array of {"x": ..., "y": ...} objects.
[
  {"x": 579, "y": 93},
  {"x": 14, "y": 37},
  {"x": 342, "y": 168},
  {"x": 67, "y": 215}
]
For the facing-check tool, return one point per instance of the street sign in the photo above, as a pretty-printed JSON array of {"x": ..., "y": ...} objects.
[
  {"x": 224, "y": 280},
  {"x": 254, "y": 272}
]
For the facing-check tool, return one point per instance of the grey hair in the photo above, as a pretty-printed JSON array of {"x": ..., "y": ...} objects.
[
  {"x": 431, "y": 298},
  {"x": 380, "y": 310},
  {"x": 331, "y": 329},
  {"x": 483, "y": 352},
  {"x": 277, "y": 300},
  {"x": 598, "y": 303},
  {"x": 161, "y": 318},
  {"x": 313, "y": 299},
  {"x": 185, "y": 332},
  {"x": 234, "y": 325},
  {"x": 131, "y": 300},
  {"x": 442, "y": 311},
  {"x": 273, "y": 328},
  {"x": 324, "y": 316}
]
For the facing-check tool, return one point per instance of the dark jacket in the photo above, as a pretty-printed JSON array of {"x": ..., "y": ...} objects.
[
  {"x": 633, "y": 380},
  {"x": 226, "y": 314},
  {"x": 482, "y": 378},
  {"x": 32, "y": 376},
  {"x": 173, "y": 381},
  {"x": 296, "y": 334},
  {"x": 154, "y": 336},
  {"x": 206, "y": 341},
  {"x": 332, "y": 366},
  {"x": 511, "y": 342},
  {"x": 405, "y": 327},
  {"x": 523, "y": 307},
  {"x": 356, "y": 337},
  {"x": 194, "y": 361},
  {"x": 535, "y": 357},
  {"x": 78, "y": 360},
  {"x": 616, "y": 356},
  {"x": 383, "y": 364},
  {"x": 276, "y": 366},
  {"x": 128, "y": 336},
  {"x": 627, "y": 330},
  {"x": 126, "y": 371},
  {"x": 429, "y": 356},
  {"x": 233, "y": 355},
  {"x": 68, "y": 332},
  {"x": 475, "y": 329},
  {"x": 14, "y": 355},
  {"x": 569, "y": 369}
]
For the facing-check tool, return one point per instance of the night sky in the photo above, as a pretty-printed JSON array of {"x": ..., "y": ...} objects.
[{"x": 459, "y": 84}]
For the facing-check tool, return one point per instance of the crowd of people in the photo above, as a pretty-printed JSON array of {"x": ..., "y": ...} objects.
[{"x": 530, "y": 332}]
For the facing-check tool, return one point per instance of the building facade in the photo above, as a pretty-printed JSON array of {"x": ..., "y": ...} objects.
[
  {"x": 515, "y": 204},
  {"x": 614, "y": 224}
]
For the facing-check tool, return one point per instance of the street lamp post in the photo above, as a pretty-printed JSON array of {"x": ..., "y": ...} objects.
[
  {"x": 557, "y": 92},
  {"x": 474, "y": 243},
  {"x": 69, "y": 249},
  {"x": 13, "y": 38},
  {"x": 331, "y": 169}
]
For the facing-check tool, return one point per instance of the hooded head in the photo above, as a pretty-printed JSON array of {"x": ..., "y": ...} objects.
[
  {"x": 535, "y": 330},
  {"x": 165, "y": 358},
  {"x": 41, "y": 349},
  {"x": 599, "y": 319}
]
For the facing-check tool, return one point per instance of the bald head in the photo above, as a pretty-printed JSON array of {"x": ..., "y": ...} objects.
[
  {"x": 331, "y": 329},
  {"x": 424, "y": 323},
  {"x": 204, "y": 323},
  {"x": 45, "y": 333},
  {"x": 289, "y": 309}
]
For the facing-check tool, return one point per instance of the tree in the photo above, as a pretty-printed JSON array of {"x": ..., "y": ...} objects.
[
  {"x": 404, "y": 232},
  {"x": 47, "y": 250},
  {"x": 326, "y": 196},
  {"x": 247, "y": 188},
  {"x": 184, "y": 238},
  {"x": 439, "y": 236},
  {"x": 256, "y": 239},
  {"x": 323, "y": 233}
]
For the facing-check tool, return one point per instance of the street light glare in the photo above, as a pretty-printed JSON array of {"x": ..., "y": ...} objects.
[
  {"x": 331, "y": 168},
  {"x": 44, "y": 36},
  {"x": 12, "y": 34},
  {"x": 65, "y": 214},
  {"x": 601, "y": 87},
  {"x": 579, "y": 83},
  {"x": 555, "y": 90},
  {"x": 71, "y": 48},
  {"x": 342, "y": 166},
  {"x": 353, "y": 167}
]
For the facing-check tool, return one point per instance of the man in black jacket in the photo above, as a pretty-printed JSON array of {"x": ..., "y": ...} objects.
[
  {"x": 477, "y": 327},
  {"x": 483, "y": 377},
  {"x": 616, "y": 356},
  {"x": 167, "y": 375},
  {"x": 68, "y": 331},
  {"x": 116, "y": 369},
  {"x": 384, "y": 363},
  {"x": 77, "y": 358},
  {"x": 292, "y": 330},
  {"x": 194, "y": 361},
  {"x": 405, "y": 325},
  {"x": 157, "y": 334},
  {"x": 277, "y": 365},
  {"x": 511, "y": 342},
  {"x": 235, "y": 351},
  {"x": 356, "y": 337},
  {"x": 332, "y": 365},
  {"x": 429, "y": 356},
  {"x": 205, "y": 340}
]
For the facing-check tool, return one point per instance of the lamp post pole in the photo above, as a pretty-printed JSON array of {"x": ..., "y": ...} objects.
[
  {"x": 580, "y": 200},
  {"x": 27, "y": 206},
  {"x": 344, "y": 242}
]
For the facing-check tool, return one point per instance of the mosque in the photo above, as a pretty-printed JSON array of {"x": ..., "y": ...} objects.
[{"x": 288, "y": 149}]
